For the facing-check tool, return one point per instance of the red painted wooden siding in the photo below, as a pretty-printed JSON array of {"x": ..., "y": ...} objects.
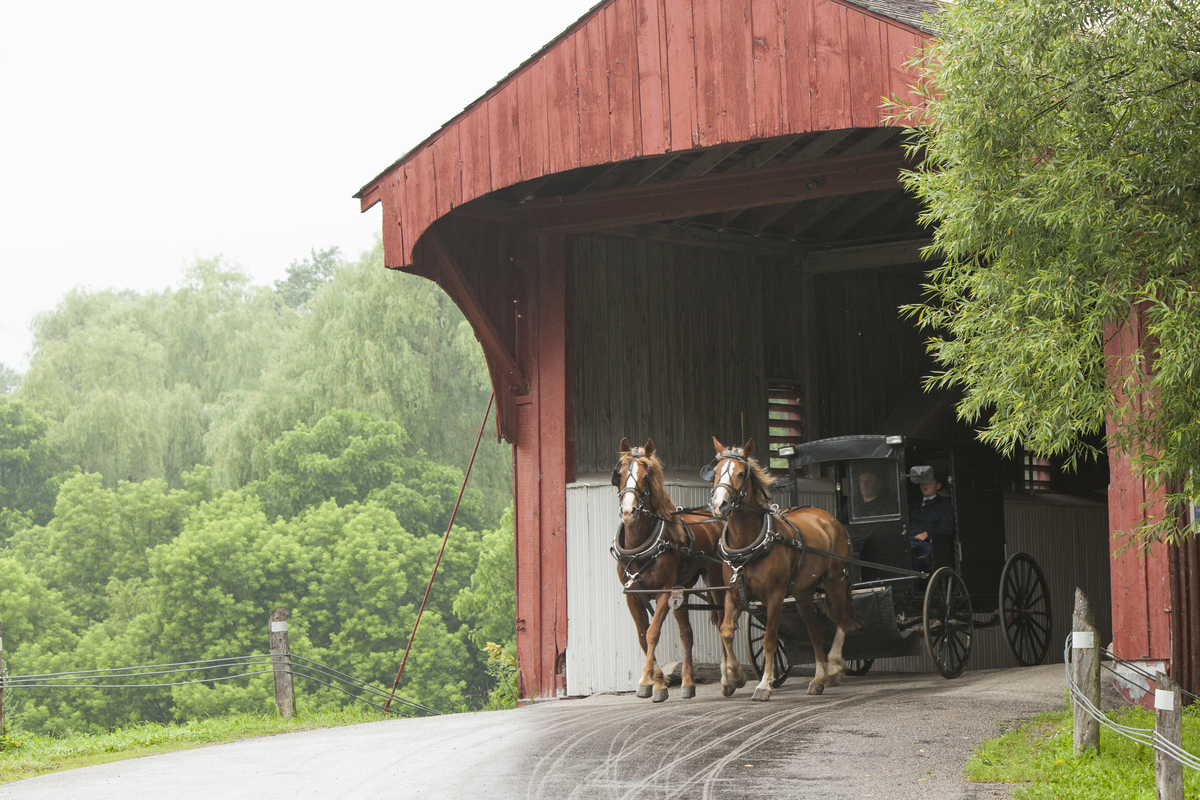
[
  {"x": 646, "y": 77},
  {"x": 1141, "y": 586}
]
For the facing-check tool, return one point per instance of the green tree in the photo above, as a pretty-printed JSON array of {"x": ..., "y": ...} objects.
[
  {"x": 1062, "y": 160},
  {"x": 382, "y": 343},
  {"x": 10, "y": 379},
  {"x": 305, "y": 277},
  {"x": 128, "y": 378},
  {"x": 28, "y": 467},
  {"x": 489, "y": 604}
]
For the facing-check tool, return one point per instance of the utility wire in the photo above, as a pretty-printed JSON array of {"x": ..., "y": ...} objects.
[{"x": 309, "y": 670}]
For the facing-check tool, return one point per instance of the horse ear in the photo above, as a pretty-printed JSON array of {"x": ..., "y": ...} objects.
[
  {"x": 624, "y": 445},
  {"x": 720, "y": 448},
  {"x": 649, "y": 448},
  {"x": 748, "y": 450}
]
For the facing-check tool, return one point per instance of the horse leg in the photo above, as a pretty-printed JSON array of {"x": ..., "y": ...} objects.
[
  {"x": 641, "y": 621},
  {"x": 808, "y": 612},
  {"x": 651, "y": 674},
  {"x": 842, "y": 608},
  {"x": 770, "y": 643},
  {"x": 732, "y": 677},
  {"x": 688, "y": 690}
]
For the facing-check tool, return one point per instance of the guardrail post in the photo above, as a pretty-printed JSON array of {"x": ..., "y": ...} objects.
[
  {"x": 281, "y": 664},
  {"x": 1168, "y": 725},
  {"x": 1085, "y": 672}
]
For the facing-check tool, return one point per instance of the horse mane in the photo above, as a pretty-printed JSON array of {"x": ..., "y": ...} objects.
[
  {"x": 762, "y": 482},
  {"x": 660, "y": 503}
]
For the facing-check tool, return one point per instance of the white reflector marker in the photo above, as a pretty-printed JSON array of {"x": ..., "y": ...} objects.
[
  {"x": 1083, "y": 640},
  {"x": 278, "y": 627},
  {"x": 1164, "y": 700}
]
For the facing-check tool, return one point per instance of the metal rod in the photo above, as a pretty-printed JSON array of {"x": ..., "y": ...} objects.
[{"x": 446, "y": 538}]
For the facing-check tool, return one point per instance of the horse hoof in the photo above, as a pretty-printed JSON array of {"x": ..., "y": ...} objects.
[
  {"x": 659, "y": 696},
  {"x": 687, "y": 692},
  {"x": 761, "y": 694},
  {"x": 728, "y": 690},
  {"x": 644, "y": 689},
  {"x": 816, "y": 688}
]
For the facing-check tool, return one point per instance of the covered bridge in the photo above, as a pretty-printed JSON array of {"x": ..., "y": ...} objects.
[{"x": 676, "y": 216}]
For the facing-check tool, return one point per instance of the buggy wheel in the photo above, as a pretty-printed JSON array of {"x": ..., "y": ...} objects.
[
  {"x": 1025, "y": 610},
  {"x": 948, "y": 622},
  {"x": 859, "y": 667},
  {"x": 755, "y": 631}
]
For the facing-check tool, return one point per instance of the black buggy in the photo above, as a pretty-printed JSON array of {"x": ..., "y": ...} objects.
[{"x": 933, "y": 606}]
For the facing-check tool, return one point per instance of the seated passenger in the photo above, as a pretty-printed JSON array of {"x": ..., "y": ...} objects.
[
  {"x": 931, "y": 525},
  {"x": 875, "y": 502}
]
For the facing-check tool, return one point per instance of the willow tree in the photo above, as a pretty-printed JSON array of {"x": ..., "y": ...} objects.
[{"x": 1061, "y": 175}]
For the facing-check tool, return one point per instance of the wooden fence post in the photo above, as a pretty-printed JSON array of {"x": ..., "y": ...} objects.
[
  {"x": 281, "y": 663},
  {"x": 1168, "y": 724},
  {"x": 1085, "y": 672},
  {"x": 1, "y": 680}
]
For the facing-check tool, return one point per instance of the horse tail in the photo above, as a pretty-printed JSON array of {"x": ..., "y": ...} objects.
[{"x": 840, "y": 601}]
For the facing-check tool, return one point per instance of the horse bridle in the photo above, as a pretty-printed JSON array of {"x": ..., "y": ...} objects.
[
  {"x": 639, "y": 495},
  {"x": 709, "y": 471}
]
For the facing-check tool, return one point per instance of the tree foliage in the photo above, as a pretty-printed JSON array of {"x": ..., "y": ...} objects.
[
  {"x": 1061, "y": 175},
  {"x": 176, "y": 465},
  {"x": 28, "y": 467}
]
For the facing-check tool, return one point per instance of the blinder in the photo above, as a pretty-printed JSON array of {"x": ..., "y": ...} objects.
[{"x": 708, "y": 471}]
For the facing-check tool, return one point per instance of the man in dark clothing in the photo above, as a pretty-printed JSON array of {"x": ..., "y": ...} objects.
[{"x": 931, "y": 524}]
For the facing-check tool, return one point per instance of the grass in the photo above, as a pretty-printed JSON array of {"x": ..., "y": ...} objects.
[
  {"x": 1039, "y": 756},
  {"x": 24, "y": 756}
]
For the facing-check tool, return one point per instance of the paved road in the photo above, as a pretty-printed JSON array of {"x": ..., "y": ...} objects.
[{"x": 884, "y": 736}]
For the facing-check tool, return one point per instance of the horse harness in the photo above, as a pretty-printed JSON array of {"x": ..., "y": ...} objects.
[
  {"x": 657, "y": 544},
  {"x": 738, "y": 558}
]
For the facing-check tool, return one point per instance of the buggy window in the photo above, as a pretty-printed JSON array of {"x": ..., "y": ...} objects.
[{"x": 873, "y": 485}]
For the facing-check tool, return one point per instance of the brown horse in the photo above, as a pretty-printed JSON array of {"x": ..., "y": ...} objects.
[
  {"x": 766, "y": 558},
  {"x": 660, "y": 549}
]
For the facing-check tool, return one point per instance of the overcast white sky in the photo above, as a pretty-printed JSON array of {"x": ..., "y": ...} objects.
[{"x": 135, "y": 136}]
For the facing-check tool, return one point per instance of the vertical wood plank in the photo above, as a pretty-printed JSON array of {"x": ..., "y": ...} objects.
[
  {"x": 591, "y": 68},
  {"x": 527, "y": 494},
  {"x": 404, "y": 192},
  {"x": 770, "y": 59},
  {"x": 801, "y": 65},
  {"x": 1126, "y": 494},
  {"x": 477, "y": 166},
  {"x": 623, "y": 79},
  {"x": 681, "y": 74},
  {"x": 551, "y": 403},
  {"x": 737, "y": 71},
  {"x": 832, "y": 85},
  {"x": 562, "y": 105},
  {"x": 504, "y": 143},
  {"x": 868, "y": 78},
  {"x": 391, "y": 189},
  {"x": 421, "y": 193},
  {"x": 531, "y": 121},
  {"x": 902, "y": 46},
  {"x": 653, "y": 98},
  {"x": 710, "y": 86},
  {"x": 447, "y": 167}
]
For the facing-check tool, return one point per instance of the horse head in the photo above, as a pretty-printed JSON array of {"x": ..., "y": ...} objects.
[
  {"x": 736, "y": 477},
  {"x": 637, "y": 475}
]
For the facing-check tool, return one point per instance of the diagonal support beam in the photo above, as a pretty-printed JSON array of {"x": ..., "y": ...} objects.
[
  {"x": 455, "y": 283},
  {"x": 620, "y": 207}
]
